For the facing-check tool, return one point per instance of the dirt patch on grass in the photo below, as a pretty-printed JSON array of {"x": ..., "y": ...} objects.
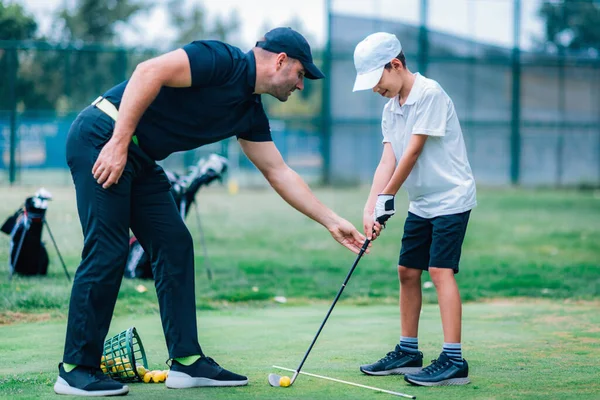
[{"x": 9, "y": 317}]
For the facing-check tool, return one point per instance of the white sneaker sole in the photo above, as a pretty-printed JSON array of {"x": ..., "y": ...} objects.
[
  {"x": 447, "y": 382},
  {"x": 395, "y": 371},
  {"x": 62, "y": 387},
  {"x": 180, "y": 380}
]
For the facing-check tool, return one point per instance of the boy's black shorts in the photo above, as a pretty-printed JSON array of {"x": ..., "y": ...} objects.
[{"x": 433, "y": 242}]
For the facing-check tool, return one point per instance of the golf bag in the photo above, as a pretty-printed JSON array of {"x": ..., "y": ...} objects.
[
  {"x": 184, "y": 189},
  {"x": 28, "y": 254}
]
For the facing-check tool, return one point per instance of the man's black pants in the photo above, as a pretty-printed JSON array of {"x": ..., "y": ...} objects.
[{"x": 141, "y": 201}]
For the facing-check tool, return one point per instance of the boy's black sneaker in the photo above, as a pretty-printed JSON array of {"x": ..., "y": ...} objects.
[
  {"x": 442, "y": 372},
  {"x": 396, "y": 362},
  {"x": 204, "y": 372},
  {"x": 86, "y": 381}
]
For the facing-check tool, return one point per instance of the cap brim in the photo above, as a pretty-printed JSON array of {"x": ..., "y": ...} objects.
[
  {"x": 312, "y": 72},
  {"x": 367, "y": 80}
]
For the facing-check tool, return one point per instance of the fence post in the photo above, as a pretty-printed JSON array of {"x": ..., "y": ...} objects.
[
  {"x": 423, "y": 54},
  {"x": 325, "y": 102},
  {"x": 515, "y": 136},
  {"x": 562, "y": 113},
  {"x": 12, "y": 82}
]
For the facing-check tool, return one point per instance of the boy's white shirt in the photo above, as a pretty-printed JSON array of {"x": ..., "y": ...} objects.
[{"x": 441, "y": 182}]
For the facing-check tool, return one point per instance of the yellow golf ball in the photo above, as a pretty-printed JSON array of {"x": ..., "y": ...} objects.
[{"x": 285, "y": 381}]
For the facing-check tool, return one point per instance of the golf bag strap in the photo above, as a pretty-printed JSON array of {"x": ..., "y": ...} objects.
[{"x": 109, "y": 109}]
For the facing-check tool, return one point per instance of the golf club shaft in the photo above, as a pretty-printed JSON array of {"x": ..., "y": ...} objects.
[
  {"x": 13, "y": 263},
  {"x": 203, "y": 242},
  {"x": 360, "y": 254},
  {"x": 350, "y": 383},
  {"x": 57, "y": 251}
]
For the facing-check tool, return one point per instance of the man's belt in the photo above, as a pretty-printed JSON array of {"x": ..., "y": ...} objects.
[{"x": 109, "y": 109}]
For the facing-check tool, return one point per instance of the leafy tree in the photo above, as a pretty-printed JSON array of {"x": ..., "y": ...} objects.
[
  {"x": 97, "y": 21},
  {"x": 191, "y": 23},
  {"x": 15, "y": 23},
  {"x": 574, "y": 24}
]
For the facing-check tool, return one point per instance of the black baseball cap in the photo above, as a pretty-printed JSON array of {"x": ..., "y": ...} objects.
[{"x": 292, "y": 43}]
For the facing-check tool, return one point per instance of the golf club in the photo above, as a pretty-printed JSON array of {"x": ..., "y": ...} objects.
[
  {"x": 408, "y": 396},
  {"x": 276, "y": 380}
]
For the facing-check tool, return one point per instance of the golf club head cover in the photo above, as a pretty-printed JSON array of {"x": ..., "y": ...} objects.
[{"x": 384, "y": 208}]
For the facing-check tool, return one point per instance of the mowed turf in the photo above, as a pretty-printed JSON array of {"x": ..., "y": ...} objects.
[
  {"x": 533, "y": 243},
  {"x": 516, "y": 350},
  {"x": 538, "y": 247}
]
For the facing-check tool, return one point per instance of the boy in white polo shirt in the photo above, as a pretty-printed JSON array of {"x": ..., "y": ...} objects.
[{"x": 424, "y": 151}]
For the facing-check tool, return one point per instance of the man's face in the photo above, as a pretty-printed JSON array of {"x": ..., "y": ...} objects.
[
  {"x": 390, "y": 83},
  {"x": 289, "y": 77}
]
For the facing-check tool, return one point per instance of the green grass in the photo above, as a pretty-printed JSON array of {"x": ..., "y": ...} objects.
[
  {"x": 516, "y": 350},
  {"x": 538, "y": 247},
  {"x": 533, "y": 243}
]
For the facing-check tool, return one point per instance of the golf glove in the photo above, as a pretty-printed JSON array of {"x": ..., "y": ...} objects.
[{"x": 384, "y": 208}]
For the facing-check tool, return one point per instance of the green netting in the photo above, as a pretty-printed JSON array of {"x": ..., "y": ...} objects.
[{"x": 123, "y": 355}]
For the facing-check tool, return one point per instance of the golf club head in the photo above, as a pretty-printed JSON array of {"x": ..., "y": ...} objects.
[{"x": 274, "y": 380}]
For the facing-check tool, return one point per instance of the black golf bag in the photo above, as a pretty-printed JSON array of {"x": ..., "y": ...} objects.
[
  {"x": 28, "y": 255},
  {"x": 184, "y": 189}
]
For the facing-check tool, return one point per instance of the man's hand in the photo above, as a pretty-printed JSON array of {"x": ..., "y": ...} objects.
[
  {"x": 384, "y": 208},
  {"x": 347, "y": 235},
  {"x": 371, "y": 228},
  {"x": 110, "y": 163}
]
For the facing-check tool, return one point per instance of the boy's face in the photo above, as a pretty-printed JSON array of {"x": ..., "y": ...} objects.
[{"x": 391, "y": 81}]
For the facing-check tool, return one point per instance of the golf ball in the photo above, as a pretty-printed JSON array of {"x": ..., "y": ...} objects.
[{"x": 284, "y": 381}]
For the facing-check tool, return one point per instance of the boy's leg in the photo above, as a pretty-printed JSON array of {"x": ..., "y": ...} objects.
[
  {"x": 157, "y": 224},
  {"x": 410, "y": 300},
  {"x": 447, "y": 238},
  {"x": 449, "y": 301},
  {"x": 414, "y": 258}
]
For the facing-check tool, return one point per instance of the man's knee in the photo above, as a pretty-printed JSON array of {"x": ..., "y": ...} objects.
[
  {"x": 181, "y": 241},
  {"x": 176, "y": 254}
]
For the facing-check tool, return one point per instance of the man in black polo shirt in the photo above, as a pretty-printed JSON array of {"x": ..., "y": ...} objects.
[{"x": 205, "y": 92}]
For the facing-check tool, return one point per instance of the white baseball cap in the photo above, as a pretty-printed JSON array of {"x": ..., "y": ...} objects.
[{"x": 370, "y": 57}]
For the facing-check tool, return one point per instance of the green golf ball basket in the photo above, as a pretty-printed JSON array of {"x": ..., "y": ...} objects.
[{"x": 123, "y": 354}]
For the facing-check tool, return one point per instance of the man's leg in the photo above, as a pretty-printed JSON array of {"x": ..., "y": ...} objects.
[
  {"x": 104, "y": 217},
  {"x": 157, "y": 224}
]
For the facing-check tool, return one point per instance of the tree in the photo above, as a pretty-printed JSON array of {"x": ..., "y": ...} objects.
[
  {"x": 97, "y": 21},
  {"x": 573, "y": 24},
  {"x": 190, "y": 23},
  {"x": 15, "y": 23}
]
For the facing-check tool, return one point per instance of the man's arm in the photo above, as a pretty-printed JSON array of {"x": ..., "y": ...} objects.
[
  {"x": 382, "y": 177},
  {"x": 170, "y": 69},
  {"x": 290, "y": 186},
  {"x": 406, "y": 164}
]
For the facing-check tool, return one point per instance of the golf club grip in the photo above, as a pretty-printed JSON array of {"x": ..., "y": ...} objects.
[{"x": 360, "y": 254}]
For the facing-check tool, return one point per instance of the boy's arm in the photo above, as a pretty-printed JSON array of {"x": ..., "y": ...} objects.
[
  {"x": 406, "y": 164},
  {"x": 384, "y": 207},
  {"x": 382, "y": 176}
]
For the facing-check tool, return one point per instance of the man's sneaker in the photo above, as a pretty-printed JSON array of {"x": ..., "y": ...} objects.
[
  {"x": 85, "y": 381},
  {"x": 396, "y": 362},
  {"x": 204, "y": 372},
  {"x": 442, "y": 372}
]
